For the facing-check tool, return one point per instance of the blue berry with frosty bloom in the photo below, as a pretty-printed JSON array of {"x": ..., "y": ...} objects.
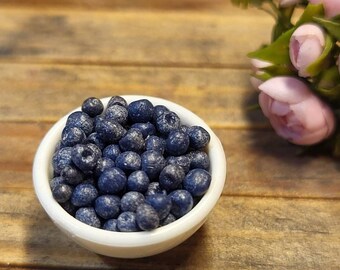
[
  {"x": 128, "y": 161},
  {"x": 199, "y": 137},
  {"x": 155, "y": 188},
  {"x": 132, "y": 141},
  {"x": 146, "y": 217},
  {"x": 117, "y": 100},
  {"x": 169, "y": 219},
  {"x": 112, "y": 181},
  {"x": 92, "y": 106},
  {"x": 182, "y": 202},
  {"x": 153, "y": 163},
  {"x": 110, "y": 225},
  {"x": 147, "y": 129},
  {"x": 84, "y": 195},
  {"x": 140, "y": 111},
  {"x": 103, "y": 164},
  {"x": 72, "y": 175},
  {"x": 167, "y": 122},
  {"x": 94, "y": 139},
  {"x": 159, "y": 110},
  {"x": 61, "y": 159},
  {"x": 85, "y": 156},
  {"x": 71, "y": 136},
  {"x": 69, "y": 207},
  {"x": 88, "y": 216},
  {"x": 138, "y": 181},
  {"x": 110, "y": 131},
  {"x": 155, "y": 143},
  {"x": 171, "y": 177},
  {"x": 199, "y": 160},
  {"x": 197, "y": 182},
  {"x": 126, "y": 222},
  {"x": 61, "y": 192},
  {"x": 57, "y": 181},
  {"x": 81, "y": 120},
  {"x": 161, "y": 203},
  {"x": 182, "y": 161},
  {"x": 131, "y": 200},
  {"x": 117, "y": 113},
  {"x": 177, "y": 143},
  {"x": 107, "y": 206},
  {"x": 111, "y": 151}
]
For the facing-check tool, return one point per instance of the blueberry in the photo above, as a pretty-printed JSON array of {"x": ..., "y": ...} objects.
[
  {"x": 110, "y": 225},
  {"x": 140, "y": 111},
  {"x": 81, "y": 120},
  {"x": 89, "y": 180},
  {"x": 61, "y": 192},
  {"x": 85, "y": 156},
  {"x": 169, "y": 219},
  {"x": 71, "y": 136},
  {"x": 138, "y": 181},
  {"x": 117, "y": 113},
  {"x": 88, "y": 216},
  {"x": 184, "y": 128},
  {"x": 61, "y": 159},
  {"x": 182, "y": 202},
  {"x": 126, "y": 222},
  {"x": 57, "y": 181},
  {"x": 197, "y": 182},
  {"x": 155, "y": 143},
  {"x": 154, "y": 188},
  {"x": 112, "y": 181},
  {"x": 110, "y": 131},
  {"x": 147, "y": 217},
  {"x": 107, "y": 206},
  {"x": 84, "y": 195},
  {"x": 159, "y": 110},
  {"x": 171, "y": 177},
  {"x": 152, "y": 163},
  {"x": 199, "y": 160},
  {"x": 97, "y": 120},
  {"x": 92, "y": 106},
  {"x": 177, "y": 143},
  {"x": 132, "y": 141},
  {"x": 103, "y": 164},
  {"x": 94, "y": 139},
  {"x": 111, "y": 151},
  {"x": 161, "y": 203},
  {"x": 117, "y": 100},
  {"x": 182, "y": 161},
  {"x": 128, "y": 161},
  {"x": 167, "y": 122},
  {"x": 69, "y": 207},
  {"x": 147, "y": 129},
  {"x": 131, "y": 200},
  {"x": 199, "y": 137},
  {"x": 72, "y": 175}
]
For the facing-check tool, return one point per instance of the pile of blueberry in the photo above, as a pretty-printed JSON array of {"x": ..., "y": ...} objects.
[{"x": 129, "y": 167}]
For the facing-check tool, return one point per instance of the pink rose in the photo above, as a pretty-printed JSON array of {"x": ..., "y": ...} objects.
[
  {"x": 306, "y": 45},
  {"x": 295, "y": 112},
  {"x": 288, "y": 3},
  {"x": 256, "y": 66},
  {"x": 331, "y": 7}
]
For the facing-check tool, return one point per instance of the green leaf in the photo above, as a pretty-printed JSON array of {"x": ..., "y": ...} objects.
[
  {"x": 279, "y": 70},
  {"x": 246, "y": 3},
  {"x": 333, "y": 27},
  {"x": 333, "y": 94},
  {"x": 336, "y": 150},
  {"x": 329, "y": 78},
  {"x": 319, "y": 64},
  {"x": 309, "y": 13},
  {"x": 277, "y": 52}
]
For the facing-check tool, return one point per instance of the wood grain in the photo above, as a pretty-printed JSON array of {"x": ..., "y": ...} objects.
[
  {"x": 46, "y": 92},
  {"x": 259, "y": 163},
  {"x": 142, "y": 37},
  {"x": 241, "y": 233}
]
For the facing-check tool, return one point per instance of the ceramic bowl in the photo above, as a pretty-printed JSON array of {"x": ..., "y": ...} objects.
[{"x": 129, "y": 244}]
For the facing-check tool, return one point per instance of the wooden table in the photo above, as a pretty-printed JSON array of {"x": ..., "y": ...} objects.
[{"x": 277, "y": 211}]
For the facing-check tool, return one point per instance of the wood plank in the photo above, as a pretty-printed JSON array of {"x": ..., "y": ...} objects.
[
  {"x": 131, "y": 37},
  {"x": 257, "y": 233},
  {"x": 259, "y": 163},
  {"x": 46, "y": 92}
]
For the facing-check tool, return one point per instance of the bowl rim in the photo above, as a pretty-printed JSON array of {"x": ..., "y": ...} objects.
[{"x": 75, "y": 228}]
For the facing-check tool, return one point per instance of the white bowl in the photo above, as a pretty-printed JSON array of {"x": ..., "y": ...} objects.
[{"x": 129, "y": 244}]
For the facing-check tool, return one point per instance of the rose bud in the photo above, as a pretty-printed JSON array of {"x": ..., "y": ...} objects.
[
  {"x": 331, "y": 7},
  {"x": 288, "y": 3},
  {"x": 306, "y": 45},
  {"x": 295, "y": 113},
  {"x": 256, "y": 66}
]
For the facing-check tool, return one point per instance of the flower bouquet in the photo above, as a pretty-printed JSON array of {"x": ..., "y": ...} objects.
[{"x": 298, "y": 73}]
